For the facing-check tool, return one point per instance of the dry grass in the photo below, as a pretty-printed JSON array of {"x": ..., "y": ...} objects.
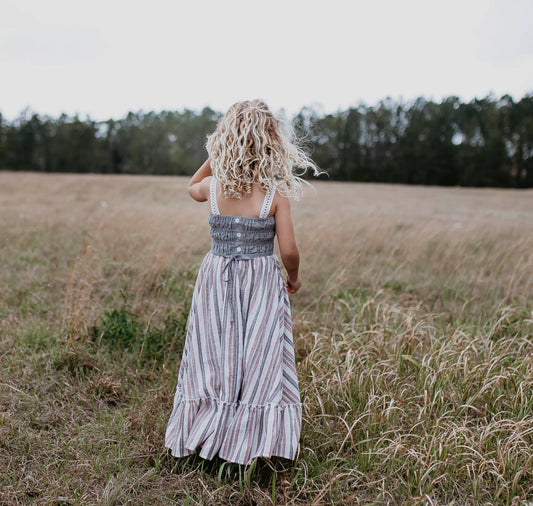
[{"x": 413, "y": 335}]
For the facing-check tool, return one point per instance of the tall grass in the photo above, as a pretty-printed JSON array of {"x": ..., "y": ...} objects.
[{"x": 413, "y": 336}]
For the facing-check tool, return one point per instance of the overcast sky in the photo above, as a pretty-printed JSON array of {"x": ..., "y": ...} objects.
[{"x": 107, "y": 57}]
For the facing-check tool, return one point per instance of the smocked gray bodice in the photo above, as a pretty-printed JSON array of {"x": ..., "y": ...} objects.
[{"x": 242, "y": 236}]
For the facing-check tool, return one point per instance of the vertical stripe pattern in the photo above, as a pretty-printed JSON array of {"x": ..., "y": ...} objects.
[{"x": 237, "y": 392}]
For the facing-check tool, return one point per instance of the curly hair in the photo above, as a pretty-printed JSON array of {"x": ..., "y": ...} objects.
[{"x": 251, "y": 145}]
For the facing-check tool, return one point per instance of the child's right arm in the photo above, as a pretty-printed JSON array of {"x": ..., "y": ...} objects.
[
  {"x": 198, "y": 185},
  {"x": 290, "y": 255}
]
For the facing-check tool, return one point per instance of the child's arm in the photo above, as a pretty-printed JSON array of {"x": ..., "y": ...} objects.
[
  {"x": 199, "y": 185},
  {"x": 290, "y": 255}
]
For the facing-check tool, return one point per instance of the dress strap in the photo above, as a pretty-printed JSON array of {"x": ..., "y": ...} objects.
[
  {"x": 267, "y": 202},
  {"x": 213, "y": 196}
]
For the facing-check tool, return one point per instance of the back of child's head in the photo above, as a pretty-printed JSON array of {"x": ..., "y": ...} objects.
[{"x": 251, "y": 145}]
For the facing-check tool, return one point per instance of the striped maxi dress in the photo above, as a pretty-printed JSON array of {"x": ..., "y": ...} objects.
[{"x": 237, "y": 391}]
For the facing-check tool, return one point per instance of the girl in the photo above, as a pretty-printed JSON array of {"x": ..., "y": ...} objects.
[{"x": 237, "y": 392}]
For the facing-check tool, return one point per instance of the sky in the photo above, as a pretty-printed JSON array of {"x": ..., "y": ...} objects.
[{"x": 104, "y": 58}]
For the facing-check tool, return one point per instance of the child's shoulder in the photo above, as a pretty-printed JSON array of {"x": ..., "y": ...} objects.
[{"x": 280, "y": 203}]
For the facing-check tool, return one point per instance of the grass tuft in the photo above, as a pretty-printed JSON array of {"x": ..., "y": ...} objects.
[{"x": 122, "y": 329}]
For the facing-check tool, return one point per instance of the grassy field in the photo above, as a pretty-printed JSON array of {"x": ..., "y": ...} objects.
[{"x": 413, "y": 334}]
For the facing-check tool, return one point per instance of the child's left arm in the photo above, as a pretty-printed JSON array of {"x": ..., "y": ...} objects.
[{"x": 198, "y": 185}]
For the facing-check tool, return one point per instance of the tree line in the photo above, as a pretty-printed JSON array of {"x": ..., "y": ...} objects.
[{"x": 484, "y": 142}]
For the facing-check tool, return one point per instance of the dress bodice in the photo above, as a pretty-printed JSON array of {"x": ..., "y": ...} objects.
[{"x": 241, "y": 236}]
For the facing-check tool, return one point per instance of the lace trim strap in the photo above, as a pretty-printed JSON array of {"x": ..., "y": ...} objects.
[
  {"x": 267, "y": 202},
  {"x": 213, "y": 196}
]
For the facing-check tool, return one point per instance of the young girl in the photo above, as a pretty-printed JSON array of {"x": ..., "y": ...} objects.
[{"x": 237, "y": 392}]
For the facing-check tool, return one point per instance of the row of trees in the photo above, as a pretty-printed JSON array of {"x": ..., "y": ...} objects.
[
  {"x": 485, "y": 142},
  {"x": 140, "y": 143}
]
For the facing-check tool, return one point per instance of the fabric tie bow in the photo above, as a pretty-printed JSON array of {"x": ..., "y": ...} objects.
[{"x": 231, "y": 282}]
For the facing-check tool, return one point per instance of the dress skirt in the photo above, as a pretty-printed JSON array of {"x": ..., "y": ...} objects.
[{"x": 237, "y": 392}]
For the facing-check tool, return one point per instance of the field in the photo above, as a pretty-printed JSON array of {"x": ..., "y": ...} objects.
[{"x": 413, "y": 333}]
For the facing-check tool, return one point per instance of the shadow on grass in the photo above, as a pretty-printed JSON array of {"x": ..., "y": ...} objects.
[{"x": 262, "y": 471}]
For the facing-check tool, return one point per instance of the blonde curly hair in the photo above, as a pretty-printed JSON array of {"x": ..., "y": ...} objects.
[{"x": 251, "y": 145}]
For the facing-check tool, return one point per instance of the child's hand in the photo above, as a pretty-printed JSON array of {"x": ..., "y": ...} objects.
[{"x": 293, "y": 286}]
